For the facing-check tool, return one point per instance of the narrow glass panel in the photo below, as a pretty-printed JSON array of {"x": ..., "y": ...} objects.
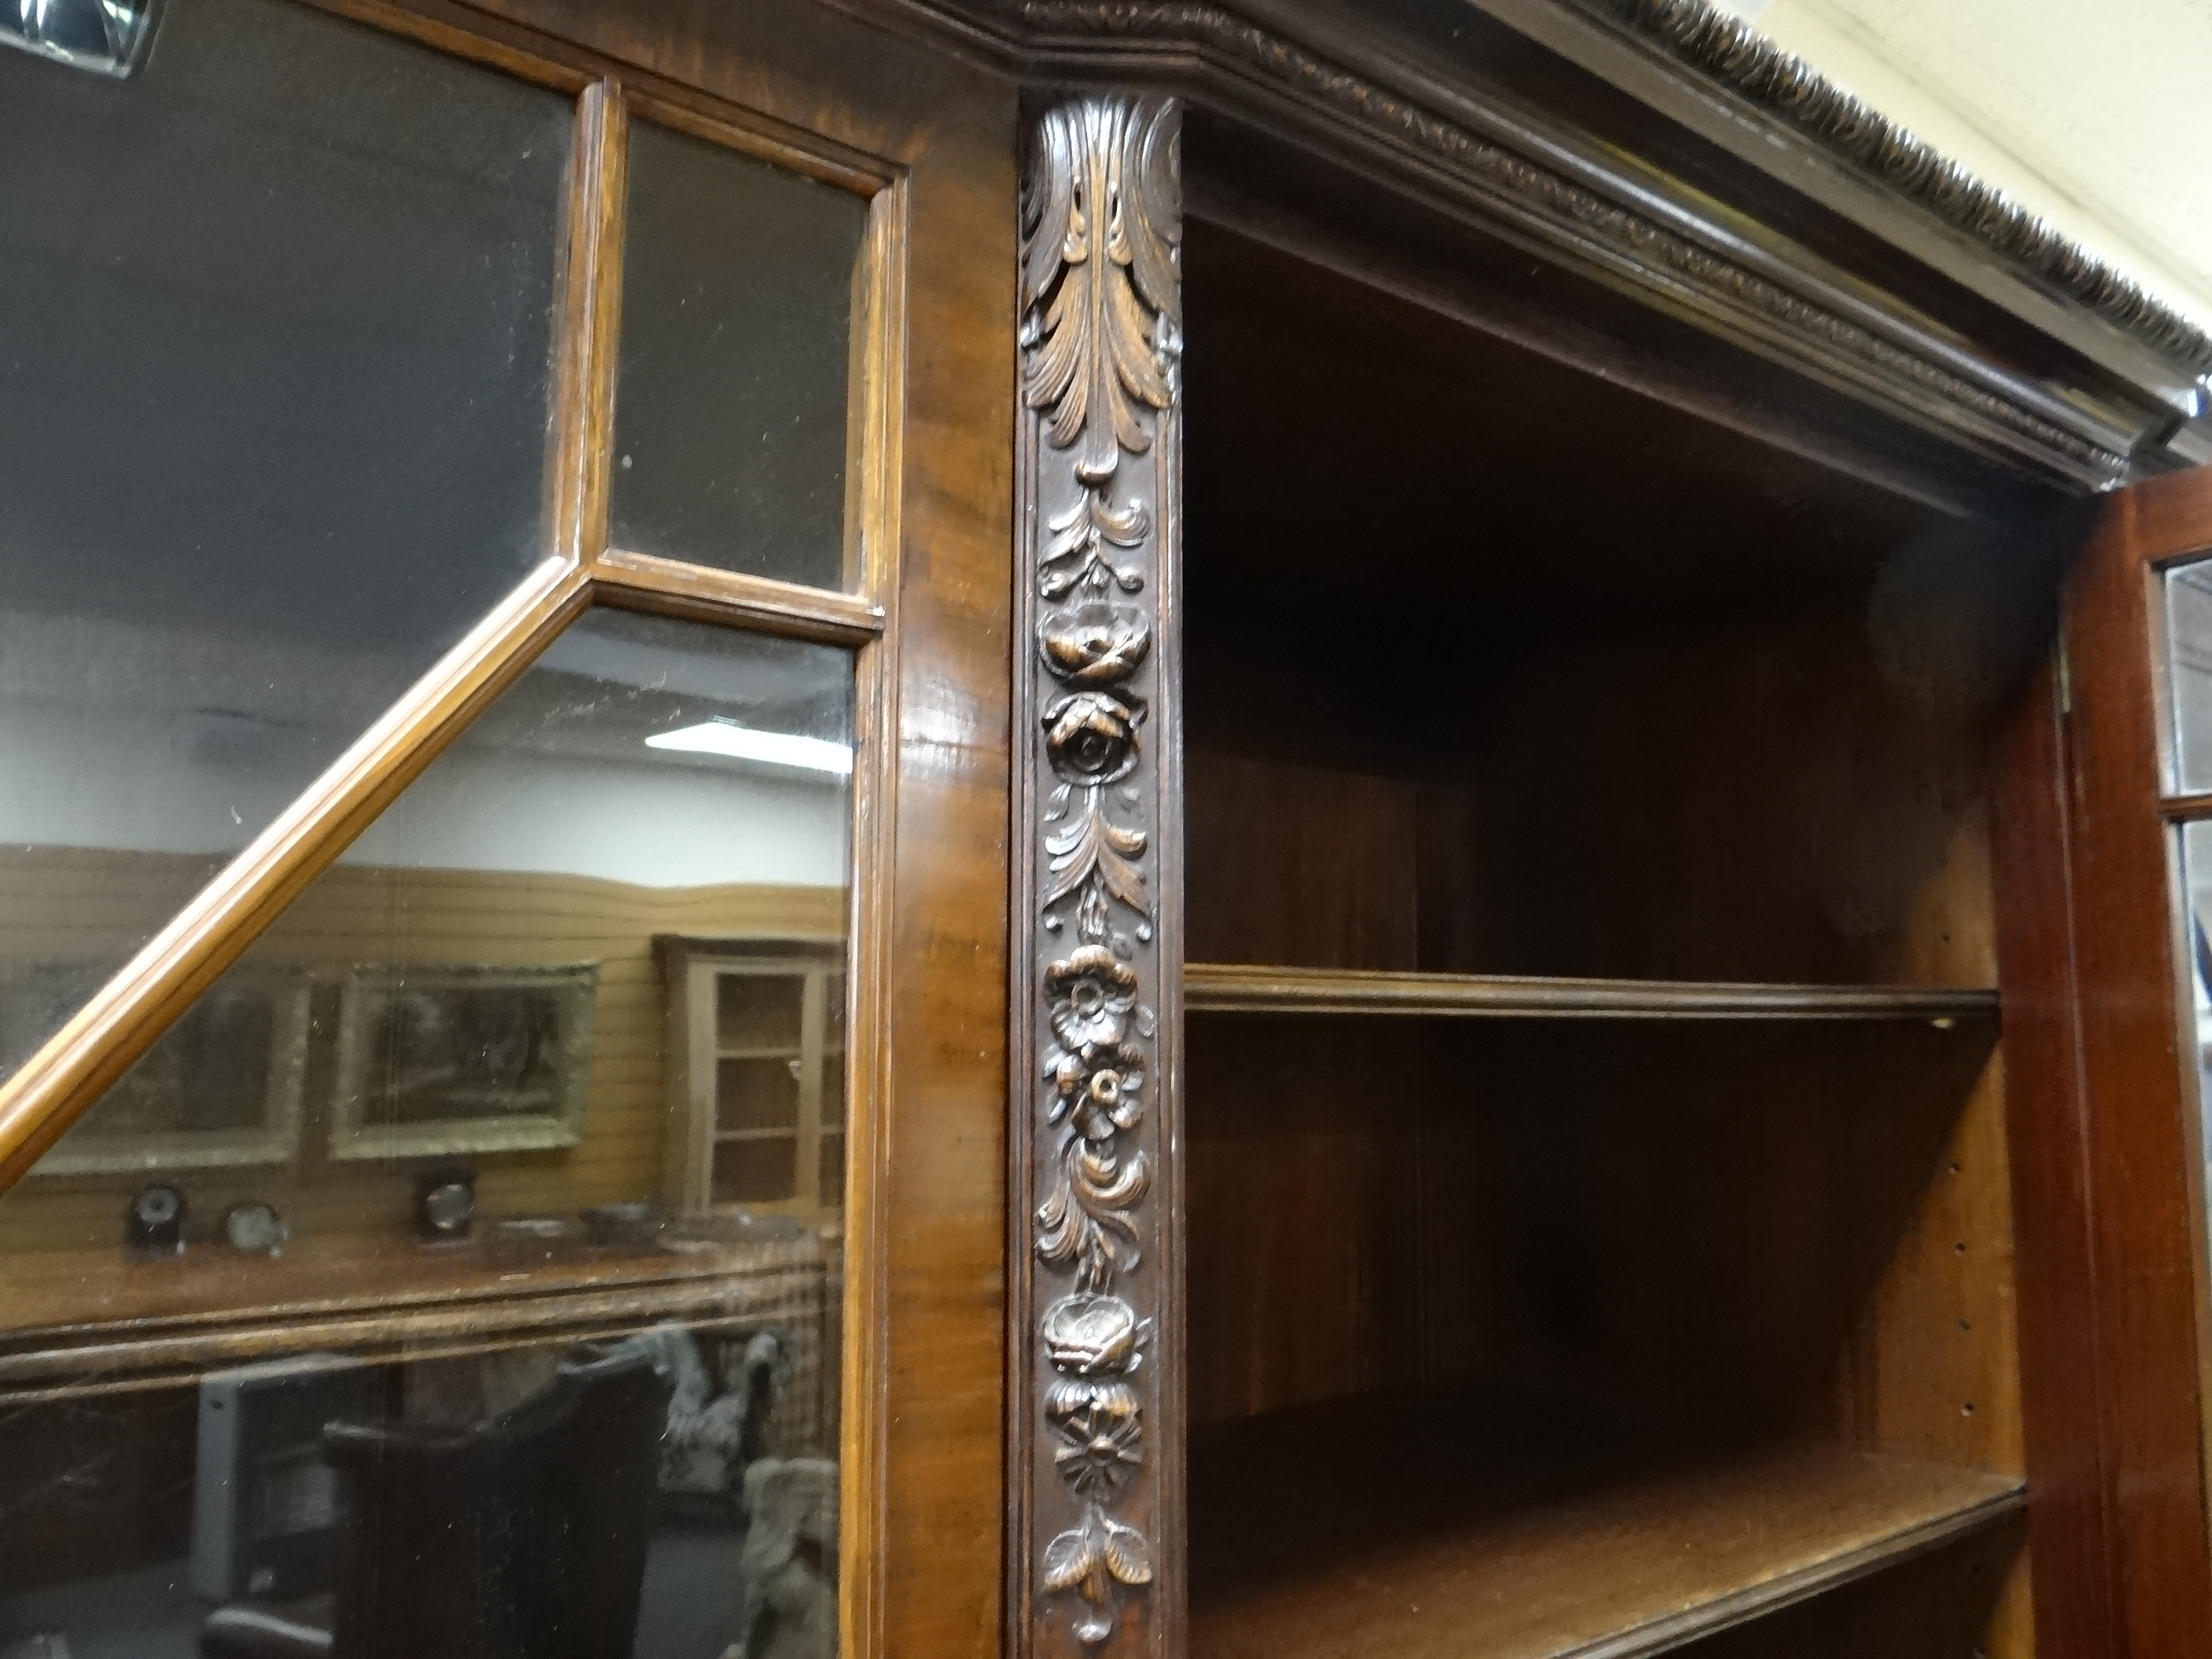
[
  {"x": 2197, "y": 940},
  {"x": 273, "y": 372},
  {"x": 446, "y": 1103},
  {"x": 731, "y": 409},
  {"x": 2189, "y": 647}
]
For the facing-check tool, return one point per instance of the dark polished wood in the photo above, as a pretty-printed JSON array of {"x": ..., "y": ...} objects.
[
  {"x": 1226, "y": 988},
  {"x": 1703, "y": 827},
  {"x": 1094, "y": 1523},
  {"x": 2116, "y": 1330},
  {"x": 1427, "y": 105},
  {"x": 1751, "y": 100},
  {"x": 929, "y": 135},
  {"x": 2065, "y": 1396},
  {"x": 1557, "y": 527},
  {"x": 1414, "y": 1529}
]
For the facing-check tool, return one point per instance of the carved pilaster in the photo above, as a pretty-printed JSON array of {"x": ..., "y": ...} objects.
[{"x": 1097, "y": 1406}]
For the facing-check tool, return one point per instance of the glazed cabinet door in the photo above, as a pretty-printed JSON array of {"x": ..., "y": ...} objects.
[
  {"x": 2106, "y": 886},
  {"x": 502, "y": 941}
]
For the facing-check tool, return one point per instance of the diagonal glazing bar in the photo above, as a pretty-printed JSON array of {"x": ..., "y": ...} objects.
[
  {"x": 99, "y": 1043},
  {"x": 286, "y": 316}
]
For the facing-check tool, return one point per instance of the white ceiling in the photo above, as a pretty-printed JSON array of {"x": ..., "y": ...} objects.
[{"x": 2089, "y": 112}]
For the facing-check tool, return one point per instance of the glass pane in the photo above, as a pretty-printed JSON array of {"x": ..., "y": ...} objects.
[
  {"x": 758, "y": 1010},
  {"x": 757, "y": 1094},
  {"x": 755, "y": 1172},
  {"x": 273, "y": 372},
  {"x": 662, "y": 1492},
  {"x": 442, "y": 1103},
  {"x": 2189, "y": 644},
  {"x": 103, "y": 36},
  {"x": 731, "y": 404},
  {"x": 2197, "y": 1042}
]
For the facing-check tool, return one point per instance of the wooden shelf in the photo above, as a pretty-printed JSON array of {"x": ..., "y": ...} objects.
[
  {"x": 1227, "y": 988},
  {"x": 1392, "y": 1544}
]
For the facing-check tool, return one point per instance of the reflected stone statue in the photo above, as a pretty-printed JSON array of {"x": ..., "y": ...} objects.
[
  {"x": 107, "y": 36},
  {"x": 790, "y": 1560}
]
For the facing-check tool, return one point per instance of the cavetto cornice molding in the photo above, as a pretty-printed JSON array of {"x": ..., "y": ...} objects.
[
  {"x": 1726, "y": 49},
  {"x": 1367, "y": 87}
]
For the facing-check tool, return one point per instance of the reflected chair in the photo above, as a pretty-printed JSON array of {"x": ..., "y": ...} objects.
[{"x": 521, "y": 1538}]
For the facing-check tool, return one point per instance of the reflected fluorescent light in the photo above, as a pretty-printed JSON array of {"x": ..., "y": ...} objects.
[
  {"x": 769, "y": 747},
  {"x": 107, "y": 37}
]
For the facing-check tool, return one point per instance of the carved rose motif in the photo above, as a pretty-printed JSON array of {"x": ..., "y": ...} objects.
[
  {"x": 1101, "y": 1433},
  {"x": 1092, "y": 737},
  {"x": 1094, "y": 644},
  {"x": 1089, "y": 1335},
  {"x": 1091, "y": 994},
  {"x": 1100, "y": 1086},
  {"x": 1101, "y": 224}
]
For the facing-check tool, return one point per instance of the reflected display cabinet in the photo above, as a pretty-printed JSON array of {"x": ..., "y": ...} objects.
[{"x": 932, "y": 827}]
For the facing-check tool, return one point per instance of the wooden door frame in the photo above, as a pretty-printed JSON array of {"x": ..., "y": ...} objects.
[
  {"x": 927, "y": 133},
  {"x": 2108, "y": 1203}
]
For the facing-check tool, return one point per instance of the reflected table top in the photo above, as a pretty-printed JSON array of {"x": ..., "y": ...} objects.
[{"x": 95, "y": 1315}]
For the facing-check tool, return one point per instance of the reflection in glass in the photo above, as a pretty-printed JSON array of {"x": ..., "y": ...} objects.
[
  {"x": 106, "y": 36},
  {"x": 273, "y": 372},
  {"x": 733, "y": 400},
  {"x": 2188, "y": 658},
  {"x": 665, "y": 1493},
  {"x": 2197, "y": 940},
  {"x": 556, "y": 1182}
]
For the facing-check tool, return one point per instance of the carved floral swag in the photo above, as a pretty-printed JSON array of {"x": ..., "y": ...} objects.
[{"x": 1101, "y": 224}]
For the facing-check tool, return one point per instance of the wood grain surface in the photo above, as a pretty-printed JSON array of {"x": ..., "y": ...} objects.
[
  {"x": 921, "y": 1564},
  {"x": 2119, "y": 1328},
  {"x": 1385, "y": 1528},
  {"x": 929, "y": 134},
  {"x": 1226, "y": 988}
]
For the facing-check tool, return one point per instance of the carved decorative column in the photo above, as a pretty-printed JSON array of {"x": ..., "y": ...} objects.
[{"x": 1097, "y": 1399}]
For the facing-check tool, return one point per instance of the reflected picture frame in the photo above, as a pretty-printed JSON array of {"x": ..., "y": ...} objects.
[
  {"x": 269, "y": 1011},
  {"x": 439, "y": 1061}
]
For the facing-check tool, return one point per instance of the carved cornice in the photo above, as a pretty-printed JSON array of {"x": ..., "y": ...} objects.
[
  {"x": 1101, "y": 345},
  {"x": 1726, "y": 49},
  {"x": 1775, "y": 317}
]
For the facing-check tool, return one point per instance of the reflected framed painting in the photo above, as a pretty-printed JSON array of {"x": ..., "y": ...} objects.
[
  {"x": 435, "y": 1060},
  {"x": 222, "y": 1087}
]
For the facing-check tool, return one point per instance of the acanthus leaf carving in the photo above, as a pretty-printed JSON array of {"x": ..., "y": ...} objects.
[
  {"x": 1101, "y": 338},
  {"x": 1594, "y": 222},
  {"x": 1085, "y": 539},
  {"x": 1100, "y": 266},
  {"x": 1083, "y": 1225},
  {"x": 1097, "y": 858}
]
